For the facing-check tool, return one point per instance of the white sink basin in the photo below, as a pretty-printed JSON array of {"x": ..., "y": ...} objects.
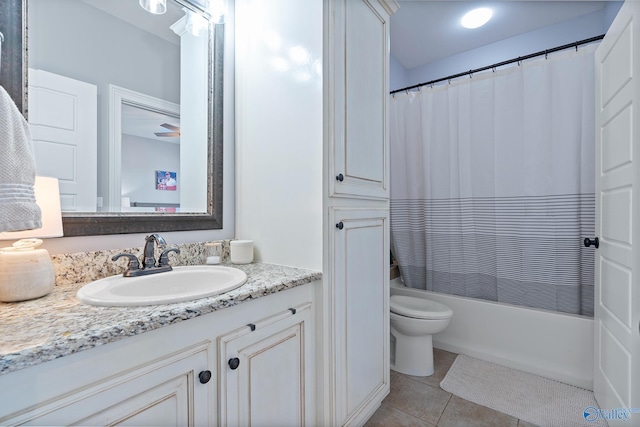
[{"x": 180, "y": 284}]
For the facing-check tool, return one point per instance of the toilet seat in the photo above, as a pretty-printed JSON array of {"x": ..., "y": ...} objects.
[{"x": 419, "y": 308}]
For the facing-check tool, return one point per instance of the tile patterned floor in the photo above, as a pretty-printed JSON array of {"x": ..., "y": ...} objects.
[{"x": 420, "y": 402}]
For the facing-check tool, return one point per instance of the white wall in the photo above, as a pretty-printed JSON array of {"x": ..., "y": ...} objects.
[
  {"x": 141, "y": 158},
  {"x": 193, "y": 119},
  {"x": 583, "y": 27},
  {"x": 279, "y": 129},
  {"x": 398, "y": 75}
]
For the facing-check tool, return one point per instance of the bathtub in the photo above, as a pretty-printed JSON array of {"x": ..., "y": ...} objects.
[{"x": 546, "y": 343}]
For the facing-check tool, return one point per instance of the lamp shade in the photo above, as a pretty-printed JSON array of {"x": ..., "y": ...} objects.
[{"x": 47, "y": 194}]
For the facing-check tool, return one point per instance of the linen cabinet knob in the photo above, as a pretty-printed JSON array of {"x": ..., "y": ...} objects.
[
  {"x": 234, "y": 363},
  {"x": 204, "y": 376}
]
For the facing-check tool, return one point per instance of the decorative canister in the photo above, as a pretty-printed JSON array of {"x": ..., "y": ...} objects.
[{"x": 241, "y": 251}]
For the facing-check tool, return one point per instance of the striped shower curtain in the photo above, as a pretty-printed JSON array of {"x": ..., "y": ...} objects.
[{"x": 492, "y": 184}]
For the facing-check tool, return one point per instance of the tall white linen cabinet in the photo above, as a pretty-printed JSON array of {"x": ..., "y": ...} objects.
[{"x": 312, "y": 176}]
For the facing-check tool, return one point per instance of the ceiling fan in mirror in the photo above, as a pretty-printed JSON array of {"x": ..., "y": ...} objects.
[{"x": 174, "y": 131}]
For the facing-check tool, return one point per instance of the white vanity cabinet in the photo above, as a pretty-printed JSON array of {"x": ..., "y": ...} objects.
[
  {"x": 171, "y": 376},
  {"x": 266, "y": 374},
  {"x": 150, "y": 379},
  {"x": 165, "y": 391}
]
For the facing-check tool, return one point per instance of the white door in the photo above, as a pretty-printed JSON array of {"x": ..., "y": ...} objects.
[
  {"x": 63, "y": 123},
  {"x": 617, "y": 293}
]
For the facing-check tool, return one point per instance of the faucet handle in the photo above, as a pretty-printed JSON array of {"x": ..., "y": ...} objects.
[
  {"x": 164, "y": 257},
  {"x": 134, "y": 264}
]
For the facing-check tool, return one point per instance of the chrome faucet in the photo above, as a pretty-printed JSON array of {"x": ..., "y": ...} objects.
[{"x": 148, "y": 260}]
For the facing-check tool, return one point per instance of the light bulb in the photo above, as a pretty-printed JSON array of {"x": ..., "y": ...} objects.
[
  {"x": 157, "y": 7},
  {"x": 477, "y": 17}
]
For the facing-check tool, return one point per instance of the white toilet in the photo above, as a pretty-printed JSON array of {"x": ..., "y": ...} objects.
[{"x": 413, "y": 321}]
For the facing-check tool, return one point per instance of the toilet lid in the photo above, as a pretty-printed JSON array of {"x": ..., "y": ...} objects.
[{"x": 419, "y": 308}]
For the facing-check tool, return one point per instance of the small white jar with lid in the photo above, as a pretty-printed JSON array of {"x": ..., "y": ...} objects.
[{"x": 241, "y": 251}]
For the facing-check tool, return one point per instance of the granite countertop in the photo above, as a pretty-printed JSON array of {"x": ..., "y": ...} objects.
[{"x": 58, "y": 325}]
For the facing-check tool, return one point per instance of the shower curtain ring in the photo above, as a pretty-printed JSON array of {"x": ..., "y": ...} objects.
[{"x": 470, "y": 74}]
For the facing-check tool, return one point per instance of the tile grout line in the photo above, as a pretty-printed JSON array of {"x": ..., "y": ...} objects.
[
  {"x": 431, "y": 386},
  {"x": 444, "y": 409},
  {"x": 410, "y": 415}
]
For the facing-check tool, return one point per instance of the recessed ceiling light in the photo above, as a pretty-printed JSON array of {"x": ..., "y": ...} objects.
[{"x": 476, "y": 18}]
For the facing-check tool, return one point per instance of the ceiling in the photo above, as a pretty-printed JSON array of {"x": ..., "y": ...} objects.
[
  {"x": 423, "y": 31},
  {"x": 131, "y": 12},
  {"x": 144, "y": 123},
  {"x": 139, "y": 121}
]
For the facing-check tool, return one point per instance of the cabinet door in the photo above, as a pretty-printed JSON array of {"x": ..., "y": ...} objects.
[
  {"x": 360, "y": 301},
  {"x": 266, "y": 374},
  {"x": 167, "y": 392},
  {"x": 357, "y": 84}
]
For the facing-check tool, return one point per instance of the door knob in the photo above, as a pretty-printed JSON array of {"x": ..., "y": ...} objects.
[{"x": 595, "y": 242}]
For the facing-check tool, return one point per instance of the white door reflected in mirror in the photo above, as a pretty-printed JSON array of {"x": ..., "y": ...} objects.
[{"x": 62, "y": 121}]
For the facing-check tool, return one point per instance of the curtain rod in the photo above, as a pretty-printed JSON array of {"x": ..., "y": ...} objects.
[{"x": 500, "y": 64}]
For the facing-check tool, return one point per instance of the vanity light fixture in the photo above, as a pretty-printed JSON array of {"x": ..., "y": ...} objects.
[
  {"x": 476, "y": 18},
  {"x": 25, "y": 271},
  {"x": 157, "y": 7}
]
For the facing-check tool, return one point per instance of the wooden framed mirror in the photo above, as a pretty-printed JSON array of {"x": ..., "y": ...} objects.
[{"x": 146, "y": 215}]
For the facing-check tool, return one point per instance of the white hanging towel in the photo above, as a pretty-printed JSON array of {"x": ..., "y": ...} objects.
[{"x": 18, "y": 208}]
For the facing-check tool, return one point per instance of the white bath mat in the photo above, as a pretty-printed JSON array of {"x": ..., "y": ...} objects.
[{"x": 531, "y": 398}]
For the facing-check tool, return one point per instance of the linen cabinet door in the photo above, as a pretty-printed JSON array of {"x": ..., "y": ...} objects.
[
  {"x": 360, "y": 302},
  {"x": 360, "y": 58},
  {"x": 266, "y": 372}
]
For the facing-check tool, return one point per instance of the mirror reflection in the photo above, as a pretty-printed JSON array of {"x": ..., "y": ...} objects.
[{"x": 118, "y": 104}]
